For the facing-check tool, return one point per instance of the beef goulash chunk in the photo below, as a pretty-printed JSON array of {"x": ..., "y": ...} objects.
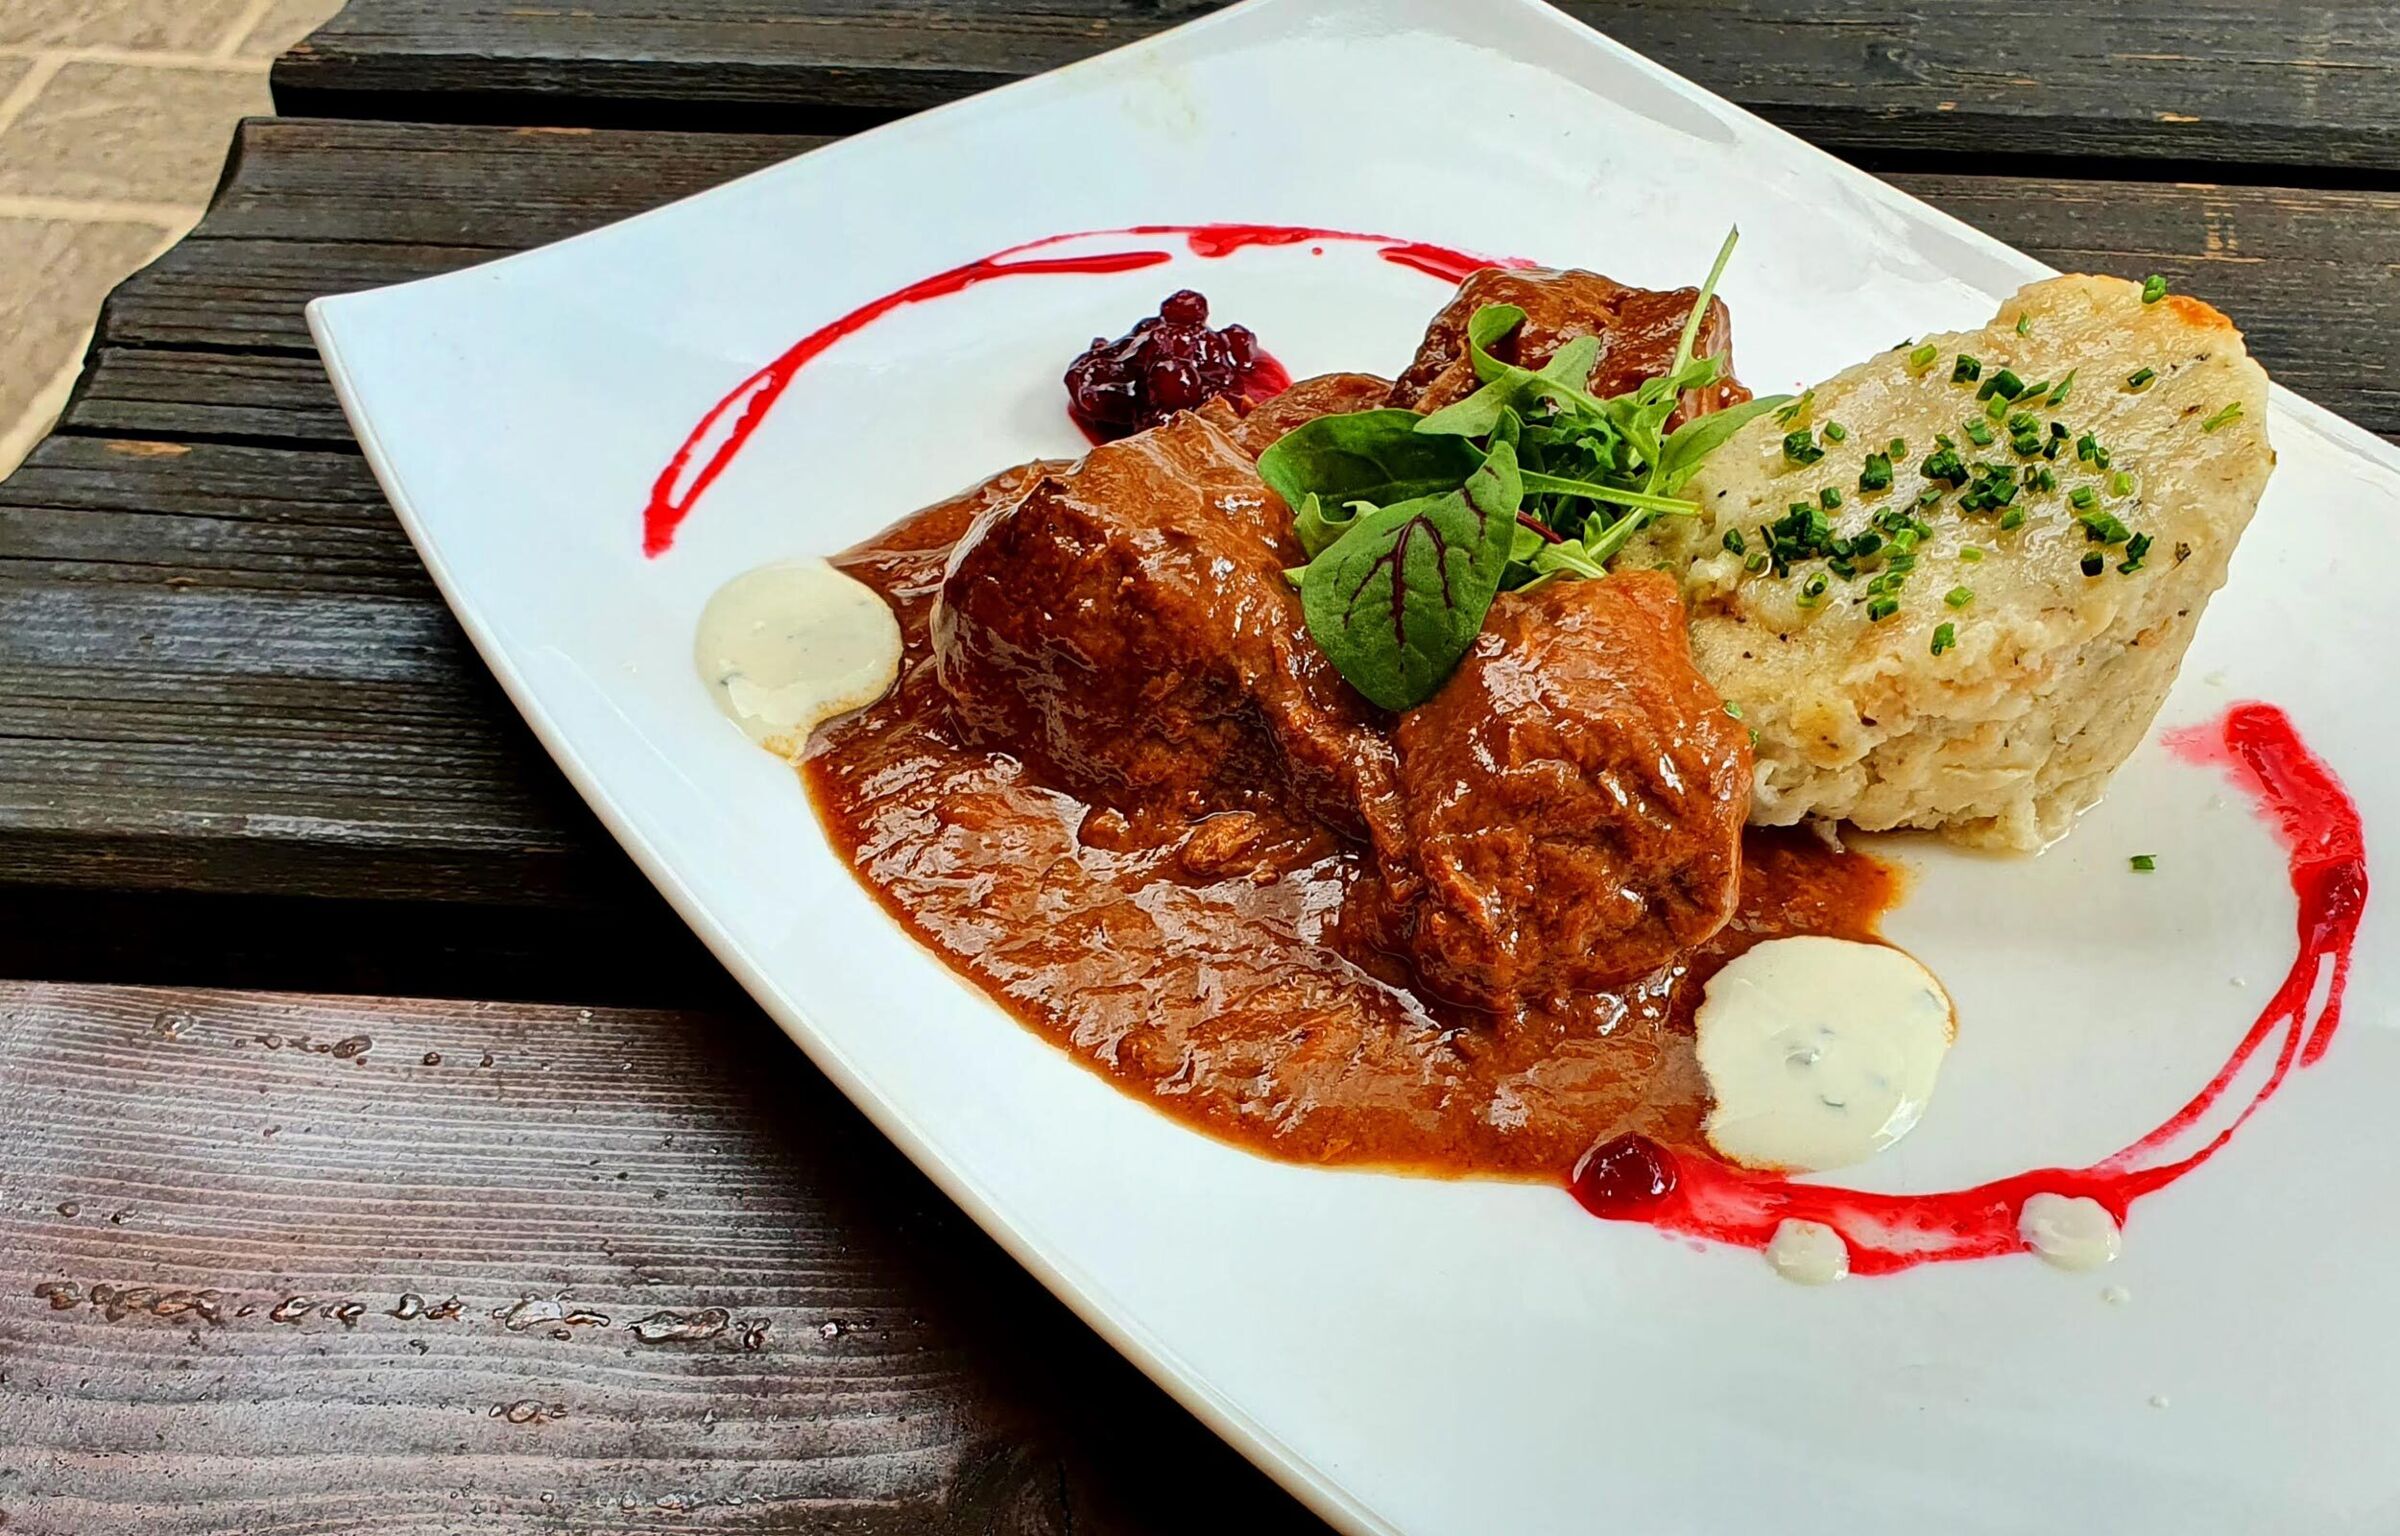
[
  {"x": 2058, "y": 655},
  {"x": 1328, "y": 394},
  {"x": 1639, "y": 328},
  {"x": 1574, "y": 798},
  {"x": 1125, "y": 629}
]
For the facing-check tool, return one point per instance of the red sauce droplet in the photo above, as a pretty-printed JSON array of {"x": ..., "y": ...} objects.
[
  {"x": 729, "y": 424},
  {"x": 2318, "y": 824},
  {"x": 1625, "y": 1179}
]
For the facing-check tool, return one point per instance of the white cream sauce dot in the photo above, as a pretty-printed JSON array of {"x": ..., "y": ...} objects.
[
  {"x": 1808, "y": 1252},
  {"x": 2071, "y": 1231},
  {"x": 1819, "y": 1052},
  {"x": 790, "y": 645}
]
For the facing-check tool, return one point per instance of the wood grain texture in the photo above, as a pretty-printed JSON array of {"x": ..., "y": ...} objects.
[
  {"x": 2305, "y": 83},
  {"x": 301, "y": 1264},
  {"x": 222, "y": 668}
]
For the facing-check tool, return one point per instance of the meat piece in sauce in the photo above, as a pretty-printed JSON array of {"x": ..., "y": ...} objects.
[
  {"x": 1126, "y": 630},
  {"x": 1328, "y": 394},
  {"x": 1638, "y": 327},
  {"x": 1574, "y": 797}
]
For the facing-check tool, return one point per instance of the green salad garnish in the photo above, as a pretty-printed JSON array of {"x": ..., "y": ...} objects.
[{"x": 1413, "y": 524}]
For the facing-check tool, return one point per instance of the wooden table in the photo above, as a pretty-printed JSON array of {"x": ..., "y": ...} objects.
[{"x": 286, "y": 1245}]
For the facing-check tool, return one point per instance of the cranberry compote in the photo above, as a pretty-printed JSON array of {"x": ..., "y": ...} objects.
[
  {"x": 1170, "y": 362},
  {"x": 1625, "y": 1177}
]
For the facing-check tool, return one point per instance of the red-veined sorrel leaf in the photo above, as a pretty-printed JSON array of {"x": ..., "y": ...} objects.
[{"x": 1399, "y": 599}]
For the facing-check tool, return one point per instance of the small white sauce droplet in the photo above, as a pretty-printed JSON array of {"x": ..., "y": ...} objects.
[
  {"x": 1808, "y": 1252},
  {"x": 1819, "y": 1052},
  {"x": 792, "y": 644},
  {"x": 2116, "y": 1295},
  {"x": 2071, "y": 1231}
]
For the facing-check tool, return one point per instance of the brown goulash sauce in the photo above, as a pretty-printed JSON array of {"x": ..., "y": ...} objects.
[{"x": 1214, "y": 994}]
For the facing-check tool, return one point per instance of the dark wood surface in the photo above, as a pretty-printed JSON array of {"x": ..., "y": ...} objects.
[
  {"x": 199, "y": 576},
  {"x": 2225, "y": 82},
  {"x": 243, "y": 745},
  {"x": 281, "y": 1263}
]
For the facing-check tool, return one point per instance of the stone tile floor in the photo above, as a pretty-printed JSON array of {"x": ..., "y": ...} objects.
[{"x": 114, "y": 119}]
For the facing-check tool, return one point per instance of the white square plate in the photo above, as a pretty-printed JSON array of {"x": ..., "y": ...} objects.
[{"x": 1410, "y": 1355}]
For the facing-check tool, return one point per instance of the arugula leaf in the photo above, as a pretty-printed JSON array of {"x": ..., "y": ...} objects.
[
  {"x": 1397, "y": 602},
  {"x": 1319, "y": 530},
  {"x": 1484, "y": 327},
  {"x": 1375, "y": 456},
  {"x": 1593, "y": 490},
  {"x": 1569, "y": 558},
  {"x": 1679, "y": 458},
  {"x": 1508, "y": 387}
]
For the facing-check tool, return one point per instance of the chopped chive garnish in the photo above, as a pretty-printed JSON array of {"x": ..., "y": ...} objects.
[
  {"x": 2026, "y": 445},
  {"x": 1735, "y": 544},
  {"x": 2103, "y": 527},
  {"x": 1945, "y": 635},
  {"x": 1801, "y": 447},
  {"x": 1959, "y": 597},
  {"x": 1815, "y": 586},
  {"x": 2154, "y": 288},
  {"x": 2042, "y": 478},
  {"x": 2082, "y": 496},
  {"x": 1996, "y": 408},
  {"x": 2032, "y": 392},
  {"x": 2024, "y": 325},
  {"x": 1829, "y": 498},
  {"x": 2120, "y": 484},
  {"x": 1945, "y": 465},
  {"x": 2140, "y": 378},
  {"x": 2004, "y": 384},
  {"x": 1882, "y": 608},
  {"x": 2093, "y": 565},
  {"x": 1897, "y": 448},
  {"x": 1922, "y": 358},
  {"x": 1835, "y": 432},
  {"x": 1970, "y": 554},
  {"x": 2231, "y": 413},
  {"x": 1905, "y": 540},
  {"x": 1733, "y": 709},
  {"x": 1966, "y": 370},
  {"x": 1877, "y": 473},
  {"x": 2058, "y": 396},
  {"x": 2012, "y": 519},
  {"x": 1979, "y": 434},
  {"x": 2143, "y": 863},
  {"x": 1785, "y": 415},
  {"x": 1756, "y": 563},
  {"x": 2137, "y": 549}
]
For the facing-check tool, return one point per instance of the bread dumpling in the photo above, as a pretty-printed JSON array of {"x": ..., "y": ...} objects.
[{"x": 1987, "y": 682}]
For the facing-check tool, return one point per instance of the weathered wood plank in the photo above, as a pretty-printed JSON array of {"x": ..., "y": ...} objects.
[
  {"x": 222, "y": 668},
  {"x": 309, "y": 1264},
  {"x": 2303, "y": 83},
  {"x": 313, "y": 208}
]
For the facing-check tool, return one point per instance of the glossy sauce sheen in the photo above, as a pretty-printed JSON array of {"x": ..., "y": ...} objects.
[{"x": 1198, "y": 974}]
